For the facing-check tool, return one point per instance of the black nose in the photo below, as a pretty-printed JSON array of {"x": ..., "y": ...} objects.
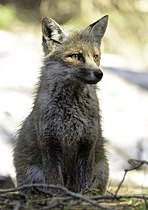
[{"x": 98, "y": 74}]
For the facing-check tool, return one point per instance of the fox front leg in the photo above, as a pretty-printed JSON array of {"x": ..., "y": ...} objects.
[
  {"x": 100, "y": 176},
  {"x": 52, "y": 157},
  {"x": 84, "y": 168}
]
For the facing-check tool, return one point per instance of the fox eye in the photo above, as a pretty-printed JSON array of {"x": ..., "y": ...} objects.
[{"x": 77, "y": 56}]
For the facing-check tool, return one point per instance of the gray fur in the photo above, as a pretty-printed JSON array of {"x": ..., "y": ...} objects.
[{"x": 61, "y": 141}]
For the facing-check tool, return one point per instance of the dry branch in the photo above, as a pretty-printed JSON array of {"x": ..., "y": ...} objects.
[
  {"x": 65, "y": 190},
  {"x": 45, "y": 200},
  {"x": 112, "y": 197},
  {"x": 135, "y": 164}
]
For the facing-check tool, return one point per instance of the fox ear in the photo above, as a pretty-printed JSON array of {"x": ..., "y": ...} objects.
[
  {"x": 52, "y": 34},
  {"x": 96, "y": 30}
]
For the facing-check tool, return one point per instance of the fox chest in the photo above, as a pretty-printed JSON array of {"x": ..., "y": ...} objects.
[{"x": 72, "y": 125}]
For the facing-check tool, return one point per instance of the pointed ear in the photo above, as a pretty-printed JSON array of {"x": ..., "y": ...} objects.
[
  {"x": 96, "y": 30},
  {"x": 52, "y": 34}
]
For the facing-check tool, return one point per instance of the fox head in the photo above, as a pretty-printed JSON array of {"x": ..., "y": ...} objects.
[{"x": 79, "y": 49}]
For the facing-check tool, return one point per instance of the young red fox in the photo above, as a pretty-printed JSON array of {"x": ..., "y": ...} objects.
[{"x": 61, "y": 141}]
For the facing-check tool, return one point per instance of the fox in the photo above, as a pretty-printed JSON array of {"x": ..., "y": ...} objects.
[{"x": 61, "y": 140}]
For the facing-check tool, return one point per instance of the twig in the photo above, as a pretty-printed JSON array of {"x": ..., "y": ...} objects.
[
  {"x": 110, "y": 197},
  {"x": 65, "y": 190},
  {"x": 138, "y": 163},
  {"x": 120, "y": 184},
  {"x": 94, "y": 201},
  {"x": 51, "y": 206},
  {"x": 135, "y": 164},
  {"x": 17, "y": 206}
]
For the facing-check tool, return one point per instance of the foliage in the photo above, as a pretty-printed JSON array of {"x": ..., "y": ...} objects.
[
  {"x": 127, "y": 23},
  {"x": 7, "y": 16}
]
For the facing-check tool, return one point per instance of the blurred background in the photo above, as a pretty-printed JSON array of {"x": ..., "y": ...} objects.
[{"x": 123, "y": 92}]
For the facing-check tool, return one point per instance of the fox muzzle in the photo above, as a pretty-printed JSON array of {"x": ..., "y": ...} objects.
[
  {"x": 98, "y": 74},
  {"x": 90, "y": 76}
]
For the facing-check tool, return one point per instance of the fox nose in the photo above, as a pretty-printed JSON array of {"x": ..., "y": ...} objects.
[{"x": 98, "y": 74}]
